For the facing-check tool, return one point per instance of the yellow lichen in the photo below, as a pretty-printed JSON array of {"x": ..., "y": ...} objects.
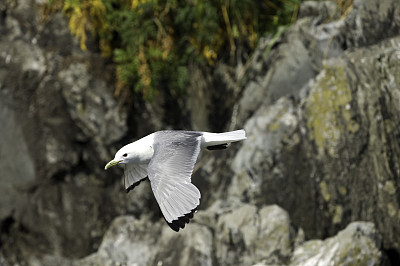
[
  {"x": 342, "y": 190},
  {"x": 389, "y": 125},
  {"x": 324, "y": 191},
  {"x": 329, "y": 110},
  {"x": 391, "y": 209},
  {"x": 277, "y": 121},
  {"x": 337, "y": 216},
  {"x": 274, "y": 126},
  {"x": 389, "y": 188}
]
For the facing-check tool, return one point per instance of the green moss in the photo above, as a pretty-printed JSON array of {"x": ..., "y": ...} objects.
[
  {"x": 329, "y": 110},
  {"x": 154, "y": 43}
]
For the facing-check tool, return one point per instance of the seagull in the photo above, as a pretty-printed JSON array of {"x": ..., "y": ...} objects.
[{"x": 167, "y": 158}]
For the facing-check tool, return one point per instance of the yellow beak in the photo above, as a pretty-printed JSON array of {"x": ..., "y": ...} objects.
[{"x": 111, "y": 163}]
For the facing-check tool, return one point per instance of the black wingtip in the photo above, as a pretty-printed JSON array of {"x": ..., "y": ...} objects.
[
  {"x": 173, "y": 226},
  {"x": 181, "y": 221},
  {"x": 133, "y": 185},
  {"x": 218, "y": 147}
]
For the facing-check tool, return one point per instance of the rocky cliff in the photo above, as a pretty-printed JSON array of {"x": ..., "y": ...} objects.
[{"x": 316, "y": 182}]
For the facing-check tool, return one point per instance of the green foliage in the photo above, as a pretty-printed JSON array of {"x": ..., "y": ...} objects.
[{"x": 153, "y": 41}]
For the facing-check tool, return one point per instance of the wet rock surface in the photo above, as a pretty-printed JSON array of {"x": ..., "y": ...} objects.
[{"x": 316, "y": 182}]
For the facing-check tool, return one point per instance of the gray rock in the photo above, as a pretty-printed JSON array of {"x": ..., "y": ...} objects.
[
  {"x": 315, "y": 9},
  {"x": 226, "y": 233},
  {"x": 15, "y": 180},
  {"x": 332, "y": 145},
  {"x": 254, "y": 164},
  {"x": 91, "y": 105},
  {"x": 130, "y": 241},
  {"x": 371, "y": 21},
  {"x": 337, "y": 159},
  {"x": 59, "y": 124},
  {"x": 322, "y": 118},
  {"x": 357, "y": 244},
  {"x": 296, "y": 58},
  {"x": 194, "y": 246},
  {"x": 352, "y": 140},
  {"x": 247, "y": 235}
]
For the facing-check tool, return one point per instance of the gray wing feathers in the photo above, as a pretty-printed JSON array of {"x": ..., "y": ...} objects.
[
  {"x": 170, "y": 170},
  {"x": 180, "y": 200},
  {"x": 134, "y": 173}
]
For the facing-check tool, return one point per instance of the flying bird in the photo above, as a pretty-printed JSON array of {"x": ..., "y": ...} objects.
[{"x": 167, "y": 158}]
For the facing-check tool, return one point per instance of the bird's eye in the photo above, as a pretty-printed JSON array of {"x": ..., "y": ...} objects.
[{"x": 125, "y": 154}]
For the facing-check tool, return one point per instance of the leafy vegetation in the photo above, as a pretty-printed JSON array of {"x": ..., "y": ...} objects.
[{"x": 152, "y": 42}]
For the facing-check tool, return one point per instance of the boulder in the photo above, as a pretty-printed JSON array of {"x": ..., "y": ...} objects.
[
  {"x": 357, "y": 244},
  {"x": 248, "y": 234},
  {"x": 241, "y": 233},
  {"x": 131, "y": 241},
  {"x": 128, "y": 241}
]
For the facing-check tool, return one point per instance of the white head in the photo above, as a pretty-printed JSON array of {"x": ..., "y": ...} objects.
[
  {"x": 125, "y": 155},
  {"x": 140, "y": 151}
]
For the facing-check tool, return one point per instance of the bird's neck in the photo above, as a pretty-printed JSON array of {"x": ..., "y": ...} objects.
[{"x": 143, "y": 149}]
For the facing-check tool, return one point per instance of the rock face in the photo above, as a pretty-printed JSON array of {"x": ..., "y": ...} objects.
[
  {"x": 57, "y": 121},
  {"x": 357, "y": 244},
  {"x": 247, "y": 234},
  {"x": 243, "y": 235},
  {"x": 331, "y": 153},
  {"x": 320, "y": 105}
]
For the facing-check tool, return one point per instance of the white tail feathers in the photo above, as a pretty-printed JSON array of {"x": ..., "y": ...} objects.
[{"x": 213, "y": 139}]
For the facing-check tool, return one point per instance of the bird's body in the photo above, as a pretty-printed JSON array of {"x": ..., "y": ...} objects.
[{"x": 168, "y": 159}]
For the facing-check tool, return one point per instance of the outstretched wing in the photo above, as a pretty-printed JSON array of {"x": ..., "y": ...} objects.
[
  {"x": 134, "y": 174},
  {"x": 170, "y": 170}
]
